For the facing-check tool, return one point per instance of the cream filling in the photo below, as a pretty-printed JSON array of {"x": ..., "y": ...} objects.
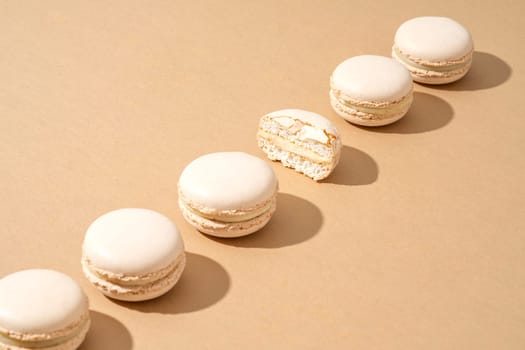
[
  {"x": 441, "y": 69},
  {"x": 237, "y": 218},
  {"x": 391, "y": 110},
  {"x": 291, "y": 147},
  {"x": 45, "y": 343}
]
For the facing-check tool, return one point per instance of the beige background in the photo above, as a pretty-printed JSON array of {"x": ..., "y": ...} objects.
[{"x": 415, "y": 242}]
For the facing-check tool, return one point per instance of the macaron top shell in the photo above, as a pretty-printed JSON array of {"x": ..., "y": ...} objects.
[
  {"x": 312, "y": 118},
  {"x": 227, "y": 181},
  {"x": 40, "y": 301},
  {"x": 372, "y": 78},
  {"x": 434, "y": 39},
  {"x": 132, "y": 241}
]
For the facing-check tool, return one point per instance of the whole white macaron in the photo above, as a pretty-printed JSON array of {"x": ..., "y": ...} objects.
[
  {"x": 133, "y": 254},
  {"x": 228, "y": 194},
  {"x": 371, "y": 90},
  {"x": 436, "y": 50},
  {"x": 42, "y": 309}
]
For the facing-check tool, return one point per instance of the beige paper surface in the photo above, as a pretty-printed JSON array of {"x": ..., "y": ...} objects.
[{"x": 417, "y": 240}]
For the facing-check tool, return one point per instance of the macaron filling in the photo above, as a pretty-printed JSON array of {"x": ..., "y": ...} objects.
[
  {"x": 286, "y": 145},
  {"x": 131, "y": 279},
  {"x": 384, "y": 110},
  {"x": 228, "y": 215},
  {"x": 314, "y": 170}
]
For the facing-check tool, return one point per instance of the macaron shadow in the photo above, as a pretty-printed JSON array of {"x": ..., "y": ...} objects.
[
  {"x": 106, "y": 333},
  {"x": 203, "y": 283},
  {"x": 427, "y": 113},
  {"x": 487, "y": 71},
  {"x": 296, "y": 220},
  {"x": 355, "y": 168}
]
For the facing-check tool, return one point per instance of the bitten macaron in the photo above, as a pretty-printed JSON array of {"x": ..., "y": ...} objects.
[
  {"x": 42, "y": 309},
  {"x": 436, "y": 50},
  {"x": 371, "y": 90},
  {"x": 302, "y": 140},
  {"x": 227, "y": 194},
  {"x": 133, "y": 254}
]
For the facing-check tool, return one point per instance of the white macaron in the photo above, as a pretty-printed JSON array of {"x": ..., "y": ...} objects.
[
  {"x": 133, "y": 254},
  {"x": 371, "y": 90},
  {"x": 436, "y": 50},
  {"x": 228, "y": 194},
  {"x": 42, "y": 309}
]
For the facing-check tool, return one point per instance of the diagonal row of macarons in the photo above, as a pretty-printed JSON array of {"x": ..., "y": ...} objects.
[
  {"x": 376, "y": 90},
  {"x": 135, "y": 254}
]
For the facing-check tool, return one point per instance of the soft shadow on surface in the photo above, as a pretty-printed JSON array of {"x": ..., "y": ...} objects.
[
  {"x": 427, "y": 113},
  {"x": 106, "y": 333},
  {"x": 354, "y": 168},
  {"x": 203, "y": 283},
  {"x": 487, "y": 71},
  {"x": 295, "y": 220}
]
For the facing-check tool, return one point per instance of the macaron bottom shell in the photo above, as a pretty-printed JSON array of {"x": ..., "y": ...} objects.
[
  {"x": 225, "y": 229},
  {"x": 434, "y": 74},
  {"x": 69, "y": 342},
  {"x": 354, "y": 116},
  {"x": 314, "y": 170},
  {"x": 134, "y": 292}
]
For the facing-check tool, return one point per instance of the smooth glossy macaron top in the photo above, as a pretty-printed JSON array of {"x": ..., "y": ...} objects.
[
  {"x": 372, "y": 78},
  {"x": 132, "y": 241},
  {"x": 227, "y": 180},
  {"x": 40, "y": 301},
  {"x": 433, "y": 39}
]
